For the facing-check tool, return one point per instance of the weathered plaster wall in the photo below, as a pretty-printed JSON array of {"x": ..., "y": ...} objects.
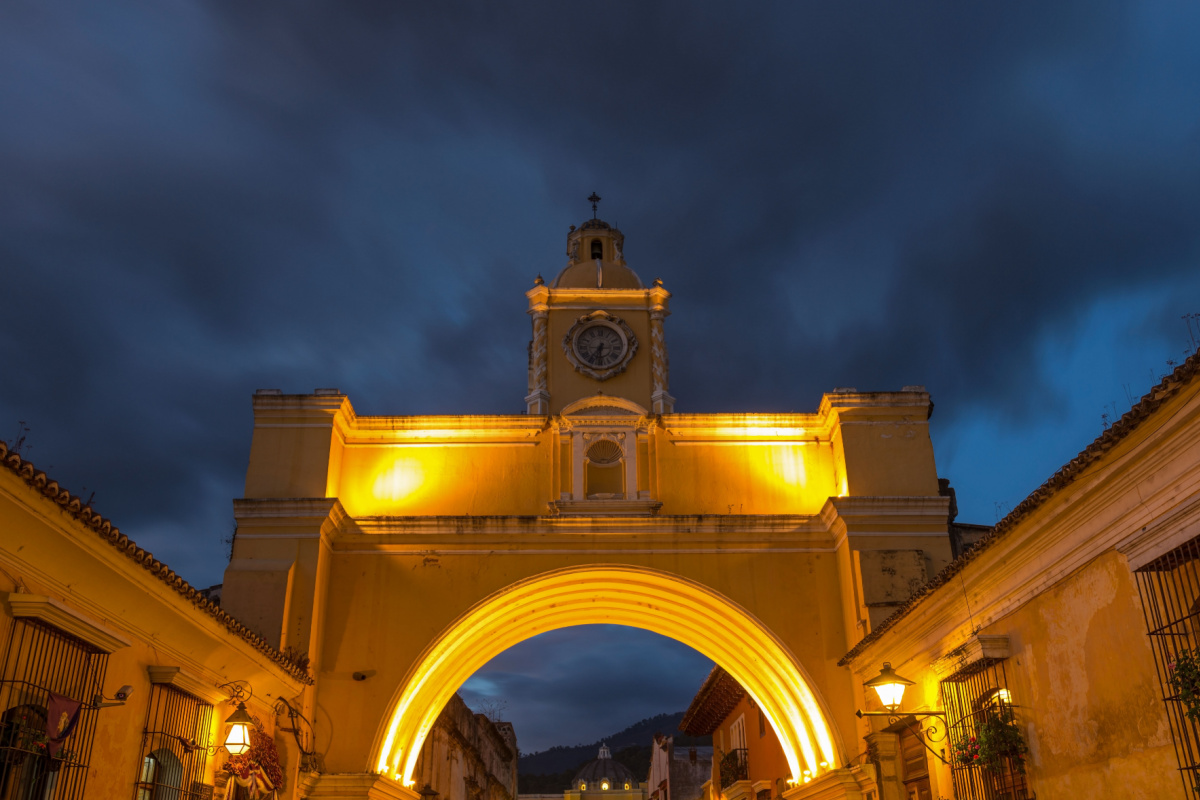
[
  {"x": 467, "y": 758},
  {"x": 55, "y": 556},
  {"x": 1083, "y": 675}
]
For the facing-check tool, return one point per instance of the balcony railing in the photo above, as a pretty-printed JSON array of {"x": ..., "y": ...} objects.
[{"x": 735, "y": 766}]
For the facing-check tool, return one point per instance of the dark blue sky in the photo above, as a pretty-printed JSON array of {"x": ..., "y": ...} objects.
[{"x": 198, "y": 199}]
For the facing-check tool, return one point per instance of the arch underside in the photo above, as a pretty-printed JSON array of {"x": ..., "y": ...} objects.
[{"x": 617, "y": 595}]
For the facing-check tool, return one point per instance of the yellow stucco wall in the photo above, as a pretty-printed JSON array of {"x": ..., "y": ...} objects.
[
  {"x": 55, "y": 556},
  {"x": 1084, "y": 678},
  {"x": 432, "y": 514},
  {"x": 749, "y": 479},
  {"x": 765, "y": 760},
  {"x": 567, "y": 385},
  {"x": 370, "y": 624}
]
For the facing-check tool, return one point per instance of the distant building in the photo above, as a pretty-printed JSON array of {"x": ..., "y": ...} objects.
[
  {"x": 748, "y": 762},
  {"x": 469, "y": 757},
  {"x": 691, "y": 770},
  {"x": 604, "y": 778}
]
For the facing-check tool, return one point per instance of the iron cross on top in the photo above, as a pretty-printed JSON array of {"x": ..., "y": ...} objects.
[{"x": 595, "y": 198}]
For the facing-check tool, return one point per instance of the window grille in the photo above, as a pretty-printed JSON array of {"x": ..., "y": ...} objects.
[
  {"x": 1170, "y": 590},
  {"x": 970, "y": 696},
  {"x": 174, "y": 747},
  {"x": 39, "y": 660},
  {"x": 735, "y": 766}
]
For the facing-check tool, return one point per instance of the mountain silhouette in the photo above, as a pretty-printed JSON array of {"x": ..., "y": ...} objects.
[{"x": 560, "y": 763}]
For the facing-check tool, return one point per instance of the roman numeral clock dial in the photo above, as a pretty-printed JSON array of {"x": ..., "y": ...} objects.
[{"x": 600, "y": 345}]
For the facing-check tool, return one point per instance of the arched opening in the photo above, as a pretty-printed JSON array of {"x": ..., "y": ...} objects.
[
  {"x": 604, "y": 473},
  {"x": 25, "y": 771},
  {"x": 161, "y": 776},
  {"x": 637, "y": 597},
  {"x": 597, "y": 249}
]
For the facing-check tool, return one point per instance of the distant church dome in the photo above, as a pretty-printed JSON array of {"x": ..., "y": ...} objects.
[
  {"x": 604, "y": 774},
  {"x": 596, "y": 260}
]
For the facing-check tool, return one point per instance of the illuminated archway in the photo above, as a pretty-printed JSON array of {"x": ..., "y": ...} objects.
[{"x": 652, "y": 600}]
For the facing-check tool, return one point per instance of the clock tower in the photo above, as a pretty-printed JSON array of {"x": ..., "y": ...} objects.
[{"x": 597, "y": 329}]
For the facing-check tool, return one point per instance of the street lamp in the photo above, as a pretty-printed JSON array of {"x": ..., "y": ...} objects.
[
  {"x": 889, "y": 686},
  {"x": 429, "y": 793},
  {"x": 237, "y": 741}
]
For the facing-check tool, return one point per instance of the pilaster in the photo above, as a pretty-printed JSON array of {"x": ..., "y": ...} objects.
[{"x": 537, "y": 402}]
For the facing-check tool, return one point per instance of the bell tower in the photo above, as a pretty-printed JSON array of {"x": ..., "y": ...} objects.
[{"x": 597, "y": 329}]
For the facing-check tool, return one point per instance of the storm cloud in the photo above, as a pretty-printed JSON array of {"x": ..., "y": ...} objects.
[{"x": 198, "y": 199}]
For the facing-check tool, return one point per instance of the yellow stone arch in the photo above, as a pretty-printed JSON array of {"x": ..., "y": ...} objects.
[{"x": 637, "y": 597}]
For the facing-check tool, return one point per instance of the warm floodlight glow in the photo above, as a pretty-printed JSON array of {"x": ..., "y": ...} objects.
[
  {"x": 604, "y": 785},
  {"x": 666, "y": 604},
  {"x": 889, "y": 686},
  {"x": 237, "y": 741},
  {"x": 399, "y": 480}
]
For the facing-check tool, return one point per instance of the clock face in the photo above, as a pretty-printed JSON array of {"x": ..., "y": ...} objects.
[{"x": 599, "y": 346}]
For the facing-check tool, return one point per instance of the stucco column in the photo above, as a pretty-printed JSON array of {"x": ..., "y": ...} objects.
[
  {"x": 884, "y": 748},
  {"x": 629, "y": 446},
  {"x": 577, "y": 465},
  {"x": 538, "y": 399},
  {"x": 661, "y": 401}
]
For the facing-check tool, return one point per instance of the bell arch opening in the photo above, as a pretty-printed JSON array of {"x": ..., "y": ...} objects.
[{"x": 667, "y": 604}]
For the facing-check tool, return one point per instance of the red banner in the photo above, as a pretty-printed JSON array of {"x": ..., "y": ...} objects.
[{"x": 61, "y": 715}]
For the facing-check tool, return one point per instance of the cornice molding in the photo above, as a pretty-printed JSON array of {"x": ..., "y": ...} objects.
[
  {"x": 604, "y": 508},
  {"x": 600, "y": 400},
  {"x": 1164, "y": 535},
  {"x": 980, "y": 647},
  {"x": 186, "y": 682},
  {"x": 339, "y": 786},
  {"x": 66, "y": 619},
  {"x": 664, "y": 525},
  {"x": 834, "y": 785},
  {"x": 886, "y": 516}
]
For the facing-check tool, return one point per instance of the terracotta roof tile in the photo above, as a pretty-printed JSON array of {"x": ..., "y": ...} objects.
[
  {"x": 111, "y": 534},
  {"x": 1170, "y": 386},
  {"x": 719, "y": 695}
]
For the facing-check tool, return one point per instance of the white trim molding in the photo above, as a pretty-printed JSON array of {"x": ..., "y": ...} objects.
[
  {"x": 66, "y": 619},
  {"x": 186, "y": 682}
]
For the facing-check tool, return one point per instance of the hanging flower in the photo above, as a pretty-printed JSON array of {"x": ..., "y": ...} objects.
[
  {"x": 1185, "y": 680},
  {"x": 997, "y": 740},
  {"x": 257, "y": 769}
]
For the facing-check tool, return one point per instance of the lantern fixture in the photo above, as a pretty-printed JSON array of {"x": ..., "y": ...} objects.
[
  {"x": 237, "y": 740},
  {"x": 429, "y": 793},
  {"x": 889, "y": 686}
]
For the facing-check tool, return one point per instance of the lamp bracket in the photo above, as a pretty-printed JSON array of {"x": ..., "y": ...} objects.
[
  {"x": 239, "y": 691},
  {"x": 895, "y": 716}
]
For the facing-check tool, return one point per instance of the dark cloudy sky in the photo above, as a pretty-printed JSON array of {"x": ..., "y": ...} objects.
[{"x": 198, "y": 199}]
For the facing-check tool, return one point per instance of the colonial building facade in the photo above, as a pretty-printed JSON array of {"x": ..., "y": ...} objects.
[
  {"x": 413, "y": 549},
  {"x": 379, "y": 561}
]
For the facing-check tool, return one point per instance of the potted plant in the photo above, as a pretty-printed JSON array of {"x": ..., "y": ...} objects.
[
  {"x": 996, "y": 739},
  {"x": 257, "y": 770},
  {"x": 1184, "y": 675}
]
